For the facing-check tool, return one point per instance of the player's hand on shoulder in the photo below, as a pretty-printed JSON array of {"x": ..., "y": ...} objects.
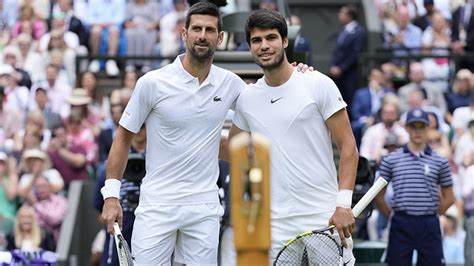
[
  {"x": 111, "y": 212},
  {"x": 300, "y": 67},
  {"x": 343, "y": 219}
]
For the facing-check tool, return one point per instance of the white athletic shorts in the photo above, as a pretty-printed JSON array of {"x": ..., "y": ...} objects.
[{"x": 190, "y": 231}]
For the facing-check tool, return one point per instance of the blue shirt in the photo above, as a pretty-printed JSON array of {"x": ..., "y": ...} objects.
[{"x": 415, "y": 179}]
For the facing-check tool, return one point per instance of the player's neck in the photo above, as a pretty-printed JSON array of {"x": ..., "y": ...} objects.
[
  {"x": 197, "y": 68},
  {"x": 278, "y": 76}
]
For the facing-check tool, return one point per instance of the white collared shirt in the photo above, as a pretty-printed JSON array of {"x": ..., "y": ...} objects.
[{"x": 183, "y": 123}]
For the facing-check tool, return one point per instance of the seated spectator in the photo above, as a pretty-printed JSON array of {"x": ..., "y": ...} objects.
[
  {"x": 425, "y": 20},
  {"x": 108, "y": 131},
  {"x": 51, "y": 209},
  {"x": 51, "y": 118},
  {"x": 436, "y": 41},
  {"x": 41, "y": 8},
  {"x": 462, "y": 33},
  {"x": 80, "y": 102},
  {"x": 71, "y": 21},
  {"x": 36, "y": 163},
  {"x": 171, "y": 43},
  {"x": 105, "y": 17},
  {"x": 9, "y": 122},
  {"x": 12, "y": 57},
  {"x": 463, "y": 88},
  {"x": 461, "y": 118},
  {"x": 465, "y": 148},
  {"x": 431, "y": 93},
  {"x": 436, "y": 139},
  {"x": 4, "y": 27},
  {"x": 27, "y": 234},
  {"x": 67, "y": 157},
  {"x": 8, "y": 192},
  {"x": 367, "y": 103},
  {"x": 36, "y": 125},
  {"x": 58, "y": 90},
  {"x": 31, "y": 59},
  {"x": 130, "y": 79},
  {"x": 16, "y": 95},
  {"x": 405, "y": 36},
  {"x": 99, "y": 104},
  {"x": 373, "y": 140},
  {"x": 29, "y": 19},
  {"x": 141, "y": 24},
  {"x": 67, "y": 60}
]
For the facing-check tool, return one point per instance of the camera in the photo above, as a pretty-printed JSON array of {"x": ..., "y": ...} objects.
[{"x": 135, "y": 169}]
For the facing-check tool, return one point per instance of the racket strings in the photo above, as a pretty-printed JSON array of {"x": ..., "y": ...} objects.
[{"x": 311, "y": 249}]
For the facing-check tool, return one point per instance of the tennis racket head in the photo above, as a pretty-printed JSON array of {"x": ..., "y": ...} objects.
[
  {"x": 123, "y": 250},
  {"x": 316, "y": 247}
]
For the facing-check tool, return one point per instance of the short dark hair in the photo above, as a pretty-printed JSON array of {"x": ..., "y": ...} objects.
[
  {"x": 352, "y": 11},
  {"x": 266, "y": 19},
  {"x": 204, "y": 8}
]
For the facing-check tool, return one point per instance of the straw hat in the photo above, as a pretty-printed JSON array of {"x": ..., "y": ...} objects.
[
  {"x": 34, "y": 153},
  {"x": 79, "y": 96}
]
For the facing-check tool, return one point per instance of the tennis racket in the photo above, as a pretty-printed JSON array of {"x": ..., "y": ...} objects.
[
  {"x": 318, "y": 247},
  {"x": 123, "y": 251}
]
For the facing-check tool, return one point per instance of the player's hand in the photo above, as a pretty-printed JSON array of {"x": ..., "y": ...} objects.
[
  {"x": 111, "y": 212},
  {"x": 343, "y": 219},
  {"x": 300, "y": 67}
]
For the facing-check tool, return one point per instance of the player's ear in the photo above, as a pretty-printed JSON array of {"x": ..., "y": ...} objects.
[
  {"x": 285, "y": 42},
  {"x": 184, "y": 34},
  {"x": 220, "y": 37}
]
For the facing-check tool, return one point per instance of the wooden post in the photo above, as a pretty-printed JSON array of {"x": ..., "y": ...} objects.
[{"x": 250, "y": 190}]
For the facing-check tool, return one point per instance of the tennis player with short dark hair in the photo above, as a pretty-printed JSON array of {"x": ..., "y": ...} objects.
[
  {"x": 417, "y": 173},
  {"x": 301, "y": 114},
  {"x": 184, "y": 106}
]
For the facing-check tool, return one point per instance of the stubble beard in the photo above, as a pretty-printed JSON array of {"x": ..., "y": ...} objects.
[
  {"x": 273, "y": 65},
  {"x": 201, "y": 56}
]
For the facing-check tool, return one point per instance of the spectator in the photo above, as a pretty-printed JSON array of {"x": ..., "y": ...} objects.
[
  {"x": 8, "y": 192},
  {"x": 12, "y": 57},
  {"x": 453, "y": 240},
  {"x": 99, "y": 104},
  {"x": 424, "y": 21},
  {"x": 422, "y": 186},
  {"x": 34, "y": 123},
  {"x": 130, "y": 79},
  {"x": 105, "y": 17},
  {"x": 42, "y": 8},
  {"x": 29, "y": 23},
  {"x": 431, "y": 93},
  {"x": 9, "y": 122},
  {"x": 16, "y": 95},
  {"x": 67, "y": 157},
  {"x": 462, "y": 33},
  {"x": 367, "y": 103},
  {"x": 36, "y": 163},
  {"x": 468, "y": 209},
  {"x": 268, "y": 4},
  {"x": 58, "y": 91},
  {"x": 27, "y": 234},
  {"x": 302, "y": 44},
  {"x": 171, "y": 43},
  {"x": 141, "y": 24},
  {"x": 31, "y": 59},
  {"x": 80, "y": 102},
  {"x": 108, "y": 132},
  {"x": 373, "y": 140},
  {"x": 4, "y": 26},
  {"x": 436, "y": 139},
  {"x": 406, "y": 36},
  {"x": 465, "y": 148},
  {"x": 461, "y": 118},
  {"x": 51, "y": 118},
  {"x": 51, "y": 209},
  {"x": 463, "y": 88},
  {"x": 349, "y": 45},
  {"x": 436, "y": 41},
  {"x": 71, "y": 21}
]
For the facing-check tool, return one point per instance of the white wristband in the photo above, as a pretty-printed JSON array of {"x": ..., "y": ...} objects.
[
  {"x": 111, "y": 189},
  {"x": 344, "y": 198}
]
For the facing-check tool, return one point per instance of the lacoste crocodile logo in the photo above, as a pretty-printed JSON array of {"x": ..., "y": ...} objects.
[{"x": 217, "y": 99}]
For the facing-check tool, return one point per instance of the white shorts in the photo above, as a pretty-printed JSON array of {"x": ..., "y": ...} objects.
[{"x": 190, "y": 231}]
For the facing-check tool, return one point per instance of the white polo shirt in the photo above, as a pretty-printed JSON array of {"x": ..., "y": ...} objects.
[
  {"x": 183, "y": 124},
  {"x": 303, "y": 174}
]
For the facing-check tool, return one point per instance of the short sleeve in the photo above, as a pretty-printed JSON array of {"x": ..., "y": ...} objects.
[
  {"x": 139, "y": 106},
  {"x": 445, "y": 179},
  {"x": 327, "y": 96},
  {"x": 385, "y": 170},
  {"x": 238, "y": 86},
  {"x": 239, "y": 117}
]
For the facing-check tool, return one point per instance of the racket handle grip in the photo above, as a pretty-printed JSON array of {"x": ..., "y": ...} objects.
[{"x": 369, "y": 196}]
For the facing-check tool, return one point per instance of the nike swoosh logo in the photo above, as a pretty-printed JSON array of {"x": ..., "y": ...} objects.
[
  {"x": 217, "y": 99},
  {"x": 274, "y": 101}
]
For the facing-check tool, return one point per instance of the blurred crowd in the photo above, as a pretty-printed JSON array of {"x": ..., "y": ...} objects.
[{"x": 56, "y": 127}]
